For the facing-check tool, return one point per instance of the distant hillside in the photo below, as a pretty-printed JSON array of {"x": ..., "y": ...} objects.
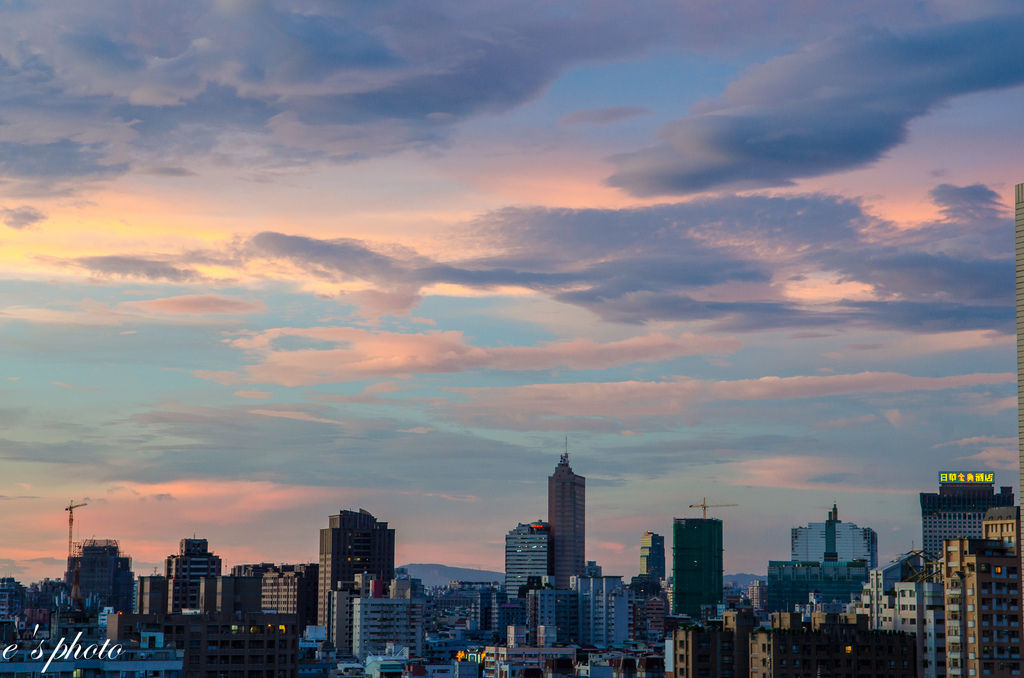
[
  {"x": 433, "y": 574},
  {"x": 743, "y": 578}
]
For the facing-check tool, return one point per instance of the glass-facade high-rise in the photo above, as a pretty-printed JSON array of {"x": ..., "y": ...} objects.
[
  {"x": 527, "y": 554},
  {"x": 566, "y": 515},
  {"x": 696, "y": 564},
  {"x": 834, "y": 540},
  {"x": 956, "y": 511},
  {"x": 652, "y": 555}
]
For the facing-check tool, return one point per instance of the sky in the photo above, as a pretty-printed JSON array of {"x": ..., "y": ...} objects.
[{"x": 263, "y": 261}]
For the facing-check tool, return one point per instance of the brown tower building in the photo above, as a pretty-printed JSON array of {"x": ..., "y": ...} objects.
[
  {"x": 566, "y": 515},
  {"x": 354, "y": 542}
]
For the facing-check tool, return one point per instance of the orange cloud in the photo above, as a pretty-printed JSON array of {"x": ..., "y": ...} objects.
[{"x": 197, "y": 304}]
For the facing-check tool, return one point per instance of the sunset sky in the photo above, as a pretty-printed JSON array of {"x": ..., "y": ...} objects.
[{"x": 265, "y": 261}]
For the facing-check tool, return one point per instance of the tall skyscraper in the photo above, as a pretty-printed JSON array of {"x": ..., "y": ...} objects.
[
  {"x": 696, "y": 564},
  {"x": 956, "y": 511},
  {"x": 834, "y": 540},
  {"x": 353, "y": 542},
  {"x": 185, "y": 571},
  {"x": 652, "y": 555},
  {"x": 566, "y": 515},
  {"x": 528, "y": 554},
  {"x": 1019, "y": 214},
  {"x": 104, "y": 573}
]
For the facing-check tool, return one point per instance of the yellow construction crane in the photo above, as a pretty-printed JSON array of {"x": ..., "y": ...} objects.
[
  {"x": 705, "y": 505},
  {"x": 70, "y": 508}
]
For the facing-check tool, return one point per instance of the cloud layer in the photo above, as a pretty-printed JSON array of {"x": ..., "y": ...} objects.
[{"x": 835, "y": 105}]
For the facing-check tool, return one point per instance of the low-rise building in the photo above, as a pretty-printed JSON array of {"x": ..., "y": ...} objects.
[{"x": 831, "y": 645}]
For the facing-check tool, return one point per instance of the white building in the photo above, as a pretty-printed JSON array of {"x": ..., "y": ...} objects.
[
  {"x": 916, "y": 607},
  {"x": 510, "y": 662},
  {"x": 813, "y": 542},
  {"x": 528, "y": 553},
  {"x": 604, "y": 610},
  {"x": 379, "y": 621}
]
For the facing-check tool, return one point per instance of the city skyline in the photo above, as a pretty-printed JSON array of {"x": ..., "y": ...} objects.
[
  {"x": 263, "y": 261},
  {"x": 142, "y": 568}
]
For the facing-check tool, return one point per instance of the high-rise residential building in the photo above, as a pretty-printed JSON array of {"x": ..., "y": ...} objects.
[
  {"x": 104, "y": 573},
  {"x": 983, "y": 599},
  {"x": 353, "y": 542},
  {"x": 907, "y": 596},
  {"x": 652, "y": 555},
  {"x": 956, "y": 511},
  {"x": 718, "y": 651},
  {"x": 831, "y": 645},
  {"x": 552, "y": 616},
  {"x": 186, "y": 569},
  {"x": 12, "y": 598},
  {"x": 834, "y": 540},
  {"x": 757, "y": 592},
  {"x": 244, "y": 645},
  {"x": 379, "y": 621},
  {"x": 528, "y": 553},
  {"x": 566, "y": 516},
  {"x": 292, "y": 589},
  {"x": 696, "y": 564},
  {"x": 605, "y": 608}
]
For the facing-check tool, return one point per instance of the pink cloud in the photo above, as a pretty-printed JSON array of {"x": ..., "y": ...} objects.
[
  {"x": 256, "y": 395},
  {"x": 974, "y": 440},
  {"x": 297, "y": 415},
  {"x": 674, "y": 396},
  {"x": 1002, "y": 458},
  {"x": 74, "y": 387},
  {"x": 416, "y": 429},
  {"x": 997, "y": 453},
  {"x": 356, "y": 353},
  {"x": 848, "y": 422},
  {"x": 197, "y": 304},
  {"x": 805, "y": 473}
]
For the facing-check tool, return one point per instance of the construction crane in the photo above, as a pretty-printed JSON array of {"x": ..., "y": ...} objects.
[
  {"x": 70, "y": 508},
  {"x": 705, "y": 505}
]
